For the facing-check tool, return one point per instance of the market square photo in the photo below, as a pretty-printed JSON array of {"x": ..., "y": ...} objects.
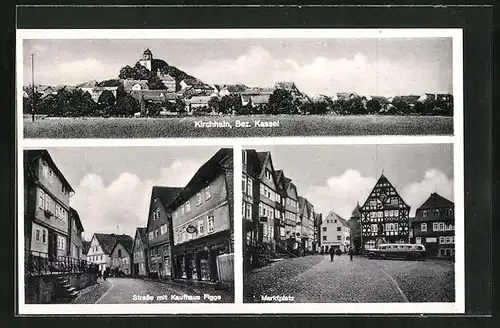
[
  {"x": 128, "y": 225},
  {"x": 364, "y": 223},
  {"x": 219, "y": 83}
]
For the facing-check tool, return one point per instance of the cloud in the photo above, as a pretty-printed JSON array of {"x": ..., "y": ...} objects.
[
  {"x": 258, "y": 67},
  {"x": 76, "y": 71},
  {"x": 416, "y": 193},
  {"x": 341, "y": 193},
  {"x": 125, "y": 201}
]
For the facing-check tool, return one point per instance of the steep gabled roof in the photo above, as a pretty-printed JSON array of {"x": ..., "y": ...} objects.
[
  {"x": 381, "y": 180},
  {"x": 106, "y": 241},
  {"x": 436, "y": 201},
  {"x": 333, "y": 215},
  {"x": 165, "y": 194},
  {"x": 223, "y": 158},
  {"x": 126, "y": 241},
  {"x": 34, "y": 154}
]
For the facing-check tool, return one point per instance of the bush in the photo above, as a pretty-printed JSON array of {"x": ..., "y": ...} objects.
[{"x": 259, "y": 255}]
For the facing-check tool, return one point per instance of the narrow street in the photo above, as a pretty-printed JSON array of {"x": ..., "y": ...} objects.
[
  {"x": 358, "y": 281},
  {"x": 131, "y": 290}
]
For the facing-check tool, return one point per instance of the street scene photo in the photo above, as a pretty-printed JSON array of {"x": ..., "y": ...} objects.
[
  {"x": 265, "y": 86},
  {"x": 124, "y": 225},
  {"x": 361, "y": 223}
]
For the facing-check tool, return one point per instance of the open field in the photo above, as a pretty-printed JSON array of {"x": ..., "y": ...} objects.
[{"x": 187, "y": 127}]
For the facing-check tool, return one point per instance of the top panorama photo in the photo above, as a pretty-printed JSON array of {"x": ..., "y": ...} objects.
[{"x": 240, "y": 87}]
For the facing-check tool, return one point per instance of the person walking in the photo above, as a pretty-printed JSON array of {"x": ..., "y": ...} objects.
[
  {"x": 350, "y": 253},
  {"x": 332, "y": 254}
]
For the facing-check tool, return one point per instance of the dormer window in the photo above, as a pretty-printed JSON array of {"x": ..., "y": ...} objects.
[
  {"x": 436, "y": 212},
  {"x": 450, "y": 211},
  {"x": 156, "y": 213},
  {"x": 424, "y": 214}
]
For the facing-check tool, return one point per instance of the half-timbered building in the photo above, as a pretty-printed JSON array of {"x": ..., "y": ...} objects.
[{"x": 384, "y": 216}]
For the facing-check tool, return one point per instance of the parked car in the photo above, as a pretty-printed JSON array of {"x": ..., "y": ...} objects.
[{"x": 397, "y": 251}]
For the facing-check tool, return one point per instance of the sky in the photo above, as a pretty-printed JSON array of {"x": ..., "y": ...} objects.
[
  {"x": 113, "y": 184},
  {"x": 389, "y": 66},
  {"x": 336, "y": 177}
]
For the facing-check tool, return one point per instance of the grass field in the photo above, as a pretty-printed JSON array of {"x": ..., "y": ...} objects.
[{"x": 186, "y": 127}]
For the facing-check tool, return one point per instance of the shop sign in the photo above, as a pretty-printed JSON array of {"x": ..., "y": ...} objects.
[{"x": 191, "y": 229}]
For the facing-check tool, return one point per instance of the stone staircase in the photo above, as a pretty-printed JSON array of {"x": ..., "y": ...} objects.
[{"x": 65, "y": 292}]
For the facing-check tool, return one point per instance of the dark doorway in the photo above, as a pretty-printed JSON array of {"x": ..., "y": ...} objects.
[
  {"x": 214, "y": 274},
  {"x": 52, "y": 247}
]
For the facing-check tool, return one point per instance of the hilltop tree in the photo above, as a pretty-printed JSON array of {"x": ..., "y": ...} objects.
[
  {"x": 127, "y": 72},
  {"x": 127, "y": 105}
]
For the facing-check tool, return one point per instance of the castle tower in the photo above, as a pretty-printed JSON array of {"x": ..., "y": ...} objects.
[{"x": 147, "y": 58}]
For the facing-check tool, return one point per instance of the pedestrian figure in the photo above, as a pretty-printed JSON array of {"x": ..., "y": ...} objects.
[
  {"x": 338, "y": 251},
  {"x": 350, "y": 253},
  {"x": 332, "y": 253}
]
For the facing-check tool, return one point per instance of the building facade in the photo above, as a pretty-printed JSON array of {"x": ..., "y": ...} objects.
[
  {"x": 202, "y": 219},
  {"x": 306, "y": 219},
  {"x": 75, "y": 244},
  {"x": 100, "y": 249},
  {"x": 140, "y": 253},
  {"x": 335, "y": 233},
  {"x": 46, "y": 206},
  {"x": 434, "y": 226},
  {"x": 318, "y": 220},
  {"x": 121, "y": 255},
  {"x": 384, "y": 216},
  {"x": 159, "y": 231},
  {"x": 292, "y": 222}
]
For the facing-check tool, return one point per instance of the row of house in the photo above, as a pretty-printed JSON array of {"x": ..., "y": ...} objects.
[
  {"x": 188, "y": 229},
  {"x": 274, "y": 214},
  {"x": 385, "y": 218},
  {"x": 52, "y": 228}
]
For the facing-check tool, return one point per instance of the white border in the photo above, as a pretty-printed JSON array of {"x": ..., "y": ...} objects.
[{"x": 238, "y": 307}]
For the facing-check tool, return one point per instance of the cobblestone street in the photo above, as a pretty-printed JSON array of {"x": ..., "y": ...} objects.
[
  {"x": 314, "y": 279},
  {"x": 130, "y": 290}
]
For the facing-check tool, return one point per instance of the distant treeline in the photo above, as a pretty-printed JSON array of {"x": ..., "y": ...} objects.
[{"x": 77, "y": 103}]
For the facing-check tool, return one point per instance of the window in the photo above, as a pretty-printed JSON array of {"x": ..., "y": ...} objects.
[
  {"x": 339, "y": 237},
  {"x": 244, "y": 156},
  {"x": 324, "y": 238},
  {"x": 61, "y": 243},
  {"x": 187, "y": 206},
  {"x": 448, "y": 240},
  {"x": 210, "y": 223},
  {"x": 119, "y": 253},
  {"x": 249, "y": 211},
  {"x": 198, "y": 198},
  {"x": 374, "y": 228},
  {"x": 151, "y": 236},
  {"x": 163, "y": 229},
  {"x": 249, "y": 186},
  {"x": 208, "y": 194},
  {"x": 324, "y": 229},
  {"x": 442, "y": 240},
  {"x": 441, "y": 226},
  {"x": 424, "y": 214},
  {"x": 44, "y": 236},
  {"x": 268, "y": 175},
  {"x": 201, "y": 227},
  {"x": 339, "y": 229},
  {"x": 335, "y": 221},
  {"x": 423, "y": 227},
  {"x": 436, "y": 212},
  {"x": 435, "y": 226},
  {"x": 244, "y": 184},
  {"x": 418, "y": 240},
  {"x": 37, "y": 234},
  {"x": 156, "y": 213},
  {"x": 450, "y": 211}
]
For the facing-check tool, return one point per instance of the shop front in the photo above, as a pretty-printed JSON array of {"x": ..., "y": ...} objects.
[{"x": 197, "y": 259}]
